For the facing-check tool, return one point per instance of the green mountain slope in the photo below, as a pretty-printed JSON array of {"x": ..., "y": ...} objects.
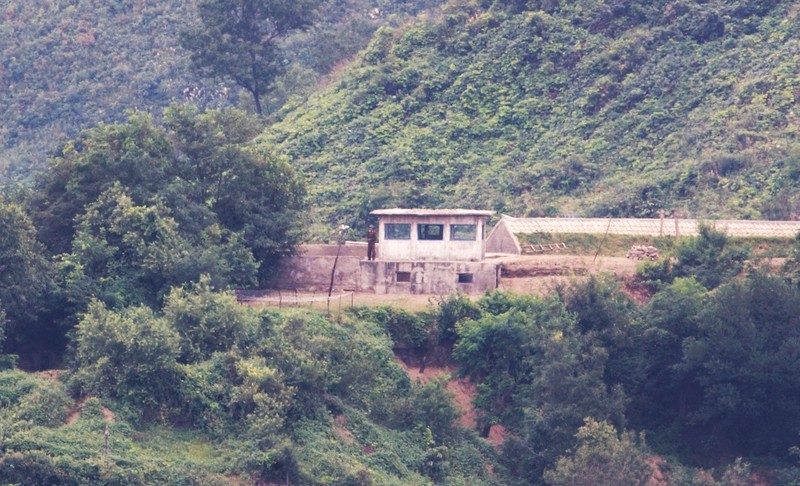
[
  {"x": 545, "y": 108},
  {"x": 72, "y": 65},
  {"x": 68, "y": 66}
]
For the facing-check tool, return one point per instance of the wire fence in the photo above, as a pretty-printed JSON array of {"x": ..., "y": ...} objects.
[{"x": 295, "y": 298}]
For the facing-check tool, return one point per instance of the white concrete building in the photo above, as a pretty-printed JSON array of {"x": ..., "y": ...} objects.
[
  {"x": 432, "y": 234},
  {"x": 430, "y": 251}
]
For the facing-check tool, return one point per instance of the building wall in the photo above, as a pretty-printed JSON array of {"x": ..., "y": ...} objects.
[
  {"x": 445, "y": 249},
  {"x": 311, "y": 268},
  {"x": 438, "y": 278},
  {"x": 502, "y": 240}
]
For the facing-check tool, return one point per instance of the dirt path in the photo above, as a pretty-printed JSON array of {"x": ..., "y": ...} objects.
[
  {"x": 541, "y": 274},
  {"x": 75, "y": 414}
]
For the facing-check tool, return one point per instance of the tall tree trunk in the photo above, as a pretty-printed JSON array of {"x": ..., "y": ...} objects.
[{"x": 257, "y": 101}]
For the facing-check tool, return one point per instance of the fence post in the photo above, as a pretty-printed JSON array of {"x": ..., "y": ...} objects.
[{"x": 105, "y": 441}]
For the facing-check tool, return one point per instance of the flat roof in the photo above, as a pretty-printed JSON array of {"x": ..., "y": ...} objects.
[{"x": 431, "y": 212}]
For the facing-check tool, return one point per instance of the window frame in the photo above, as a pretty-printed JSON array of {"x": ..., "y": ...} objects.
[
  {"x": 392, "y": 234},
  {"x": 454, "y": 232},
  {"x": 424, "y": 235}
]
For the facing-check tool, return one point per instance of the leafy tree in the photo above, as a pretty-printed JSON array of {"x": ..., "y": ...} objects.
[
  {"x": 672, "y": 316},
  {"x": 709, "y": 257},
  {"x": 129, "y": 355},
  {"x": 129, "y": 253},
  {"x": 240, "y": 40},
  {"x": 224, "y": 197},
  {"x": 599, "y": 304},
  {"x": 24, "y": 277},
  {"x": 452, "y": 310},
  {"x": 499, "y": 352},
  {"x": 135, "y": 154},
  {"x": 263, "y": 200},
  {"x": 602, "y": 458},
  {"x": 567, "y": 387},
  {"x": 607, "y": 319},
  {"x": 207, "y": 321},
  {"x": 744, "y": 358}
]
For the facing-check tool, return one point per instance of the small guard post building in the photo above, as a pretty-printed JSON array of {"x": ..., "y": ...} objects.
[{"x": 430, "y": 251}]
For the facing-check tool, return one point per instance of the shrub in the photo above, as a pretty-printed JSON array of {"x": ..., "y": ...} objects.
[
  {"x": 46, "y": 405},
  {"x": 621, "y": 459},
  {"x": 654, "y": 274},
  {"x": 709, "y": 258},
  {"x": 450, "y": 311},
  {"x": 129, "y": 355}
]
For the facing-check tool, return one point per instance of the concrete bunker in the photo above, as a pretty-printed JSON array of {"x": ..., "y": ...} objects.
[
  {"x": 419, "y": 251},
  {"x": 430, "y": 251}
]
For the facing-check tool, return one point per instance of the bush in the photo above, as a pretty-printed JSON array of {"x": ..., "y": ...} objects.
[
  {"x": 621, "y": 459},
  {"x": 129, "y": 355},
  {"x": 450, "y": 311},
  {"x": 207, "y": 321},
  {"x": 709, "y": 258},
  {"x": 406, "y": 329},
  {"x": 33, "y": 467},
  {"x": 46, "y": 405},
  {"x": 654, "y": 274}
]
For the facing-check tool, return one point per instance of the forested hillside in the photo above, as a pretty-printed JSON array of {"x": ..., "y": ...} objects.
[
  {"x": 553, "y": 108},
  {"x": 137, "y": 200},
  {"x": 66, "y": 66}
]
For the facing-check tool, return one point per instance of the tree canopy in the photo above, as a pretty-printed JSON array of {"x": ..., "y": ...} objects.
[
  {"x": 205, "y": 194},
  {"x": 239, "y": 40}
]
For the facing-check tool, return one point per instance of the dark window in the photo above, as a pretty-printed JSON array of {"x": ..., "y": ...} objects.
[
  {"x": 403, "y": 276},
  {"x": 464, "y": 278},
  {"x": 463, "y": 232},
  {"x": 430, "y": 231},
  {"x": 398, "y": 231}
]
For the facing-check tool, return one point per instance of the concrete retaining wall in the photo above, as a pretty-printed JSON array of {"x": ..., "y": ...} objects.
[
  {"x": 311, "y": 270},
  {"x": 437, "y": 278}
]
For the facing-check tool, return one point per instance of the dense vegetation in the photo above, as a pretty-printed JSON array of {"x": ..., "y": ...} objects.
[
  {"x": 253, "y": 396},
  {"x": 549, "y": 108},
  {"x": 706, "y": 375},
  {"x": 68, "y": 66},
  {"x": 127, "y": 211},
  {"x": 118, "y": 252}
]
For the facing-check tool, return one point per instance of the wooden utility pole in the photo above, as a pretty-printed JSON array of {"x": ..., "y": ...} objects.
[
  {"x": 342, "y": 232},
  {"x": 602, "y": 241}
]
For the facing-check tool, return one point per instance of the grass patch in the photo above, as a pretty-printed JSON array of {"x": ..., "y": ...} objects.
[
  {"x": 588, "y": 244},
  {"x": 618, "y": 245}
]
